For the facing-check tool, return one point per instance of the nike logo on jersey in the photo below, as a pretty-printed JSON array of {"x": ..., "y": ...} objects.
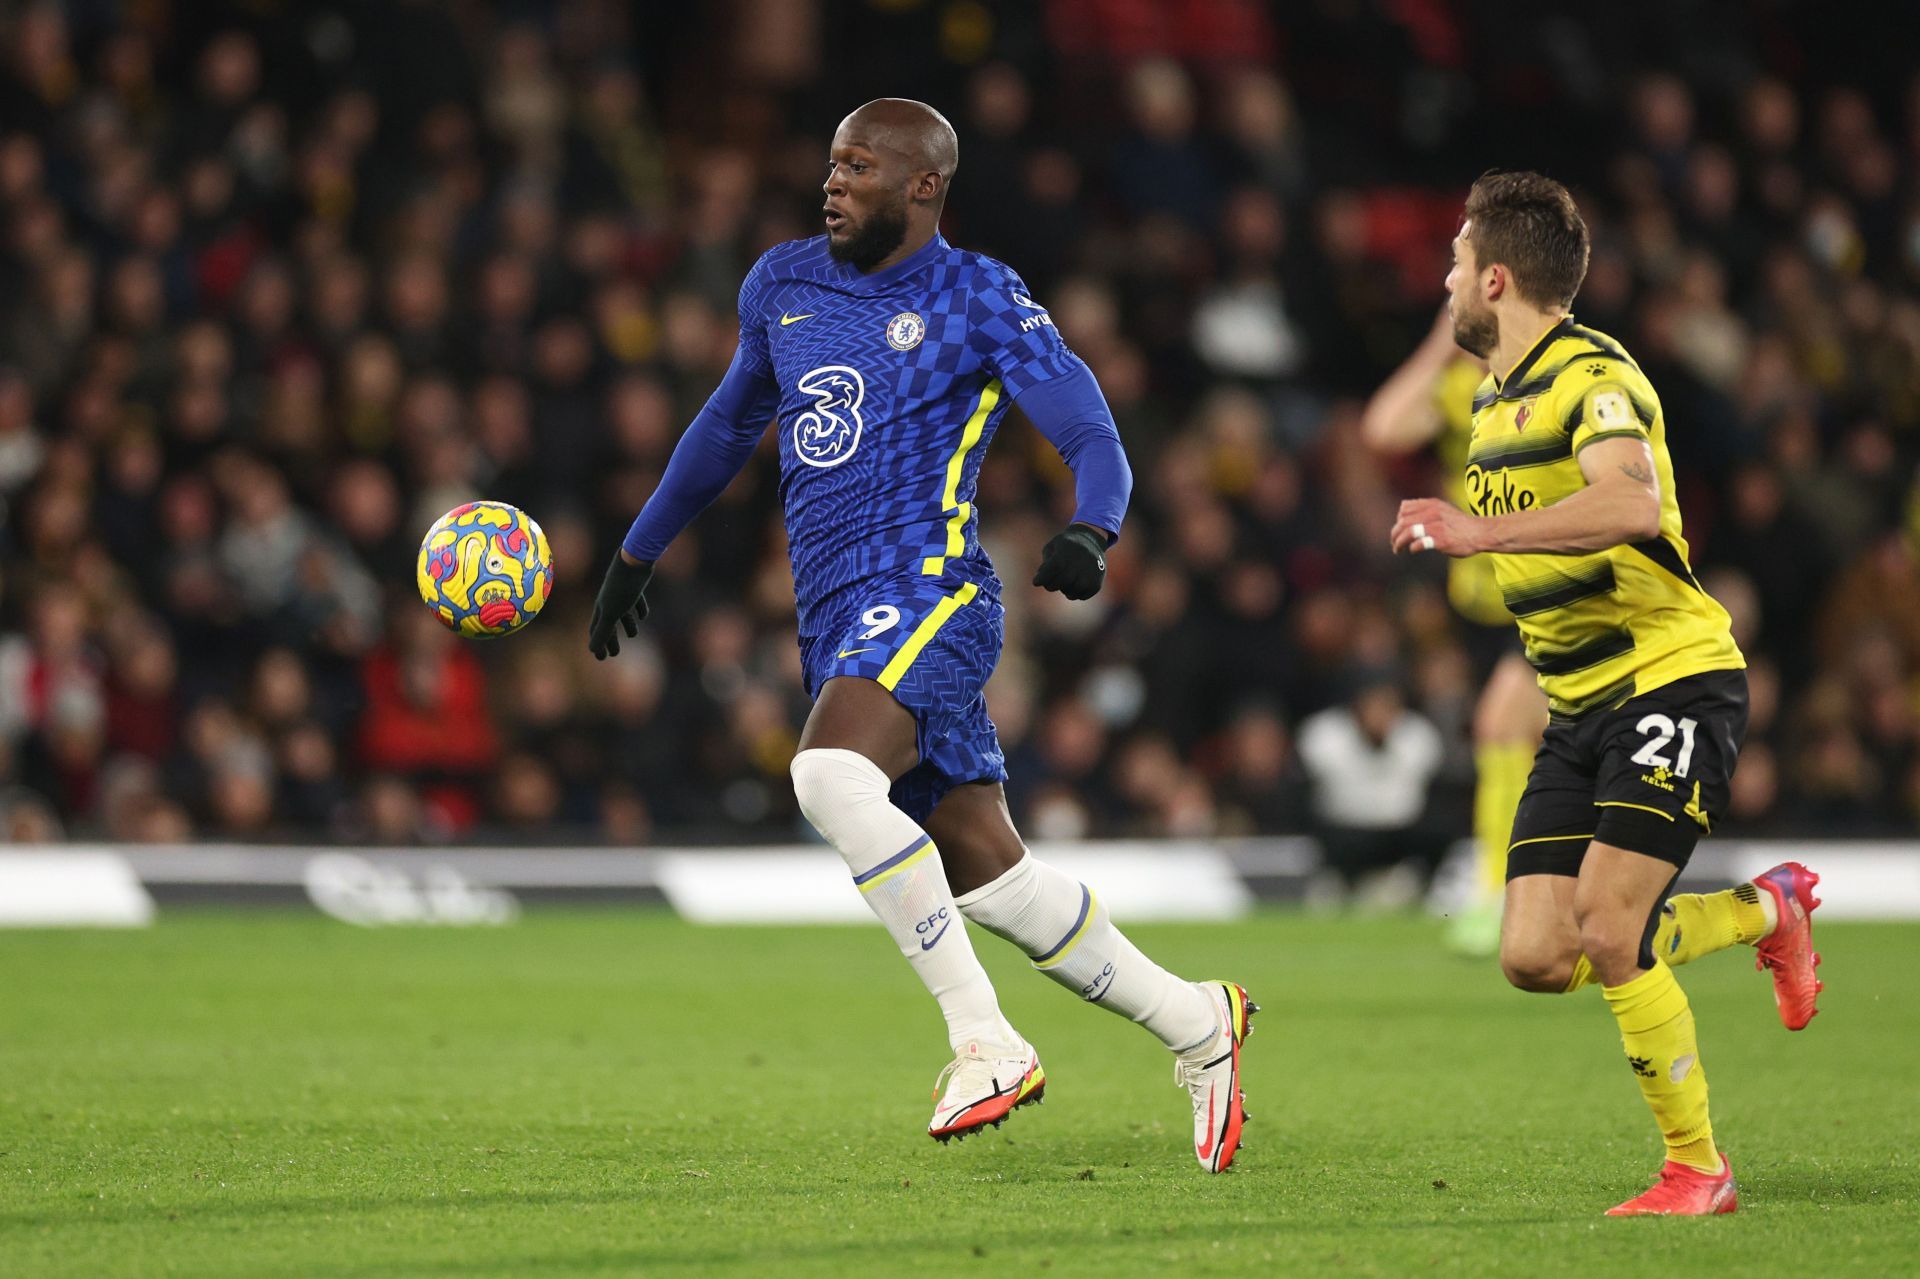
[
  {"x": 853, "y": 652},
  {"x": 786, "y": 319},
  {"x": 928, "y": 945}
]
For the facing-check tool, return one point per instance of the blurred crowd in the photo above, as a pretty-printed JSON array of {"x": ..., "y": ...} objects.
[{"x": 281, "y": 282}]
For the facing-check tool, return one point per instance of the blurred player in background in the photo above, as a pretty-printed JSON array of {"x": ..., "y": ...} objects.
[
  {"x": 1570, "y": 493},
  {"x": 1429, "y": 400},
  {"x": 888, "y": 358}
]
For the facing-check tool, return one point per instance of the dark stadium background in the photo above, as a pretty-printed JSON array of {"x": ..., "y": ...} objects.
[{"x": 281, "y": 282}]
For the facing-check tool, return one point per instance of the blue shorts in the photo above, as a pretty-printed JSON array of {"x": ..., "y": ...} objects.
[{"x": 932, "y": 642}]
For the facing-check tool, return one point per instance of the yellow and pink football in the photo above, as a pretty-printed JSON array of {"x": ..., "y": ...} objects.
[{"x": 485, "y": 569}]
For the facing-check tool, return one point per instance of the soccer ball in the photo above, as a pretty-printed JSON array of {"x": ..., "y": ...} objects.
[{"x": 485, "y": 569}]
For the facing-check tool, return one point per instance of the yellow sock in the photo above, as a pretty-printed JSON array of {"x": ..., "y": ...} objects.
[
  {"x": 1656, "y": 1026},
  {"x": 1696, "y": 924},
  {"x": 1500, "y": 778}
]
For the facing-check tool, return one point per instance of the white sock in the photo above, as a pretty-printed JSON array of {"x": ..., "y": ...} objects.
[
  {"x": 898, "y": 871},
  {"x": 1064, "y": 929}
]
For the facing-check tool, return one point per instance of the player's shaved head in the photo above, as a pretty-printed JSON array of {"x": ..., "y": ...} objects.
[
  {"x": 887, "y": 179},
  {"x": 913, "y": 131}
]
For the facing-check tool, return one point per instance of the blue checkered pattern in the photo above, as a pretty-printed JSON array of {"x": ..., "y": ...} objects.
[
  {"x": 867, "y": 431},
  {"x": 943, "y": 686}
]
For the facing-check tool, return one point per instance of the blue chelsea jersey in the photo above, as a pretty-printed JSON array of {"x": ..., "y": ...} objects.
[{"x": 891, "y": 386}]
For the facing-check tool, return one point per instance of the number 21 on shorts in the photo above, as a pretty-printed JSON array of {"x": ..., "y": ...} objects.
[{"x": 1660, "y": 731}]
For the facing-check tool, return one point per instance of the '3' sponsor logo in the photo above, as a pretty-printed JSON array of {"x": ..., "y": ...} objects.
[{"x": 828, "y": 433}]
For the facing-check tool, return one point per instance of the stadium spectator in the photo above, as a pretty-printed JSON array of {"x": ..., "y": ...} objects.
[{"x": 1371, "y": 763}]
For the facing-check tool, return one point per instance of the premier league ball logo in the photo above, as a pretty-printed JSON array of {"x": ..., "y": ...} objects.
[
  {"x": 829, "y": 432},
  {"x": 905, "y": 330}
]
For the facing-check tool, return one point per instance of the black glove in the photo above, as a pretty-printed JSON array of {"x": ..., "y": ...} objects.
[
  {"x": 623, "y": 600},
  {"x": 1074, "y": 562}
]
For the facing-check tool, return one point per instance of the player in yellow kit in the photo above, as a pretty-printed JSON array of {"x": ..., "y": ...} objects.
[
  {"x": 1429, "y": 399},
  {"x": 1569, "y": 491}
]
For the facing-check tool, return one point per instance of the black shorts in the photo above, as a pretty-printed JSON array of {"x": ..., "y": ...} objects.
[{"x": 1650, "y": 776}]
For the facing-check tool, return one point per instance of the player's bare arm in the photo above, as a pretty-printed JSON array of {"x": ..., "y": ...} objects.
[
  {"x": 1402, "y": 415},
  {"x": 1619, "y": 506}
]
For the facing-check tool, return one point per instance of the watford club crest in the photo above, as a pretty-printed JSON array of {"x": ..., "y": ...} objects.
[{"x": 1523, "y": 414}]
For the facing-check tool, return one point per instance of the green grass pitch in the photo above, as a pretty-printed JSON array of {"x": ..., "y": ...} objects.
[{"x": 615, "y": 1092}]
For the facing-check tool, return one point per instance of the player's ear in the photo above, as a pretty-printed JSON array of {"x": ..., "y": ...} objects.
[
  {"x": 1497, "y": 282},
  {"x": 930, "y": 188}
]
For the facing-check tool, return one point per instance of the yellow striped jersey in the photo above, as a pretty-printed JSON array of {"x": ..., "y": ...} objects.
[
  {"x": 1598, "y": 628},
  {"x": 1470, "y": 585}
]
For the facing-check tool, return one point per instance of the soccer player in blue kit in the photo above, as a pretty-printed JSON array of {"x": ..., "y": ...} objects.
[{"x": 886, "y": 358}]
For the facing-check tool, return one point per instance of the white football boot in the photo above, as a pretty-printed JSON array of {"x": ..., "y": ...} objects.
[
  {"x": 983, "y": 1085},
  {"x": 1211, "y": 1075}
]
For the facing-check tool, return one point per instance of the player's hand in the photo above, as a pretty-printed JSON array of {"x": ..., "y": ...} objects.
[
  {"x": 622, "y": 602},
  {"x": 1440, "y": 337},
  {"x": 1429, "y": 524},
  {"x": 1074, "y": 562}
]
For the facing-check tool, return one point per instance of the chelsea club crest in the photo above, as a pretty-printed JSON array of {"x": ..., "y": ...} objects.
[{"x": 905, "y": 330}]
